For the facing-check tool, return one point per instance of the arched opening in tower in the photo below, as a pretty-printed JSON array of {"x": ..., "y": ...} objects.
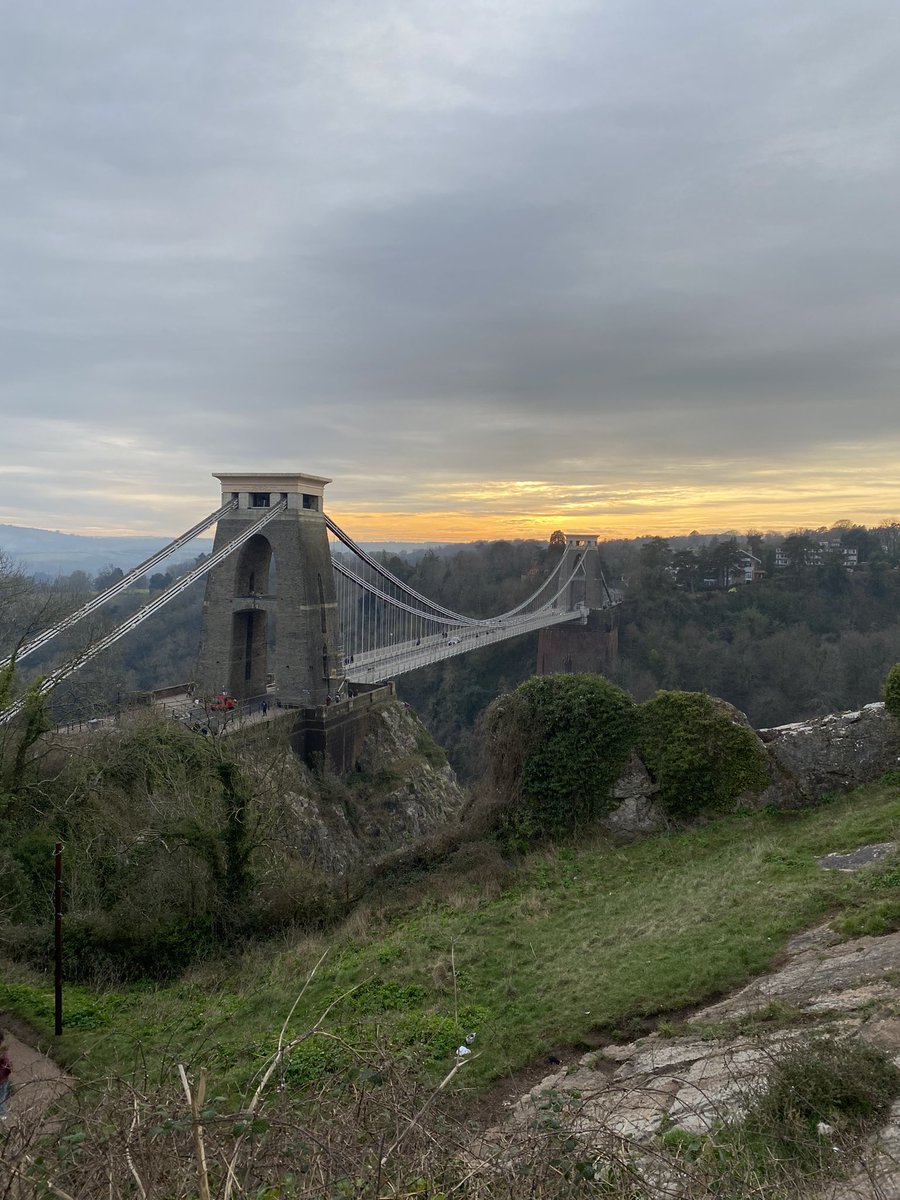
[{"x": 253, "y": 619}]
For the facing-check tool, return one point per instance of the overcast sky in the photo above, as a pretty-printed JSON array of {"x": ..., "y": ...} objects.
[{"x": 495, "y": 266}]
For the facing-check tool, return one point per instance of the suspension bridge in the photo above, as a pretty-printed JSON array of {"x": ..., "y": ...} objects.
[{"x": 342, "y": 617}]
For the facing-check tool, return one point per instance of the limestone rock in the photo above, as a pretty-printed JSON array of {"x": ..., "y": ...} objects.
[
  {"x": 636, "y": 811},
  {"x": 858, "y": 859},
  {"x": 832, "y": 754},
  {"x": 815, "y": 973},
  {"x": 398, "y": 794},
  {"x": 618, "y": 1101}
]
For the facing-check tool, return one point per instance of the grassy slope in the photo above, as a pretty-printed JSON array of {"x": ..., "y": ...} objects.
[{"x": 584, "y": 939}]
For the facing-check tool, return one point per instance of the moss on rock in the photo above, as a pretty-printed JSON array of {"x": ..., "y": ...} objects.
[
  {"x": 892, "y": 691},
  {"x": 556, "y": 746},
  {"x": 701, "y": 758}
]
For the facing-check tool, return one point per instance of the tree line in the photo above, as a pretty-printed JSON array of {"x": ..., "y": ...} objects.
[{"x": 800, "y": 641}]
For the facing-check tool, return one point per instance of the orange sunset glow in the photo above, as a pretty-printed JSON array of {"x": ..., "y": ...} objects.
[
  {"x": 853, "y": 482},
  {"x": 857, "y": 483}
]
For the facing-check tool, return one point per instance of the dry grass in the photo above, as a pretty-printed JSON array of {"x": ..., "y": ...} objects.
[{"x": 376, "y": 1134}]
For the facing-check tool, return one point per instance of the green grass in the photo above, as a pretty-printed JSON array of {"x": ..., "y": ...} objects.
[{"x": 586, "y": 938}]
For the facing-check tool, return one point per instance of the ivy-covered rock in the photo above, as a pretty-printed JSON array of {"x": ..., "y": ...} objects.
[
  {"x": 700, "y": 752},
  {"x": 556, "y": 746},
  {"x": 892, "y": 692}
]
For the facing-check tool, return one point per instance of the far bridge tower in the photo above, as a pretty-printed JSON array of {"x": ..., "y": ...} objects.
[{"x": 594, "y": 645}]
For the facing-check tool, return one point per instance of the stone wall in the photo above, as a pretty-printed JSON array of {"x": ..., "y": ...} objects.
[{"x": 336, "y": 733}]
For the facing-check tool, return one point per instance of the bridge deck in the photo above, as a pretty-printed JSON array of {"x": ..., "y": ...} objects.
[
  {"x": 372, "y": 667},
  {"x": 389, "y": 661}
]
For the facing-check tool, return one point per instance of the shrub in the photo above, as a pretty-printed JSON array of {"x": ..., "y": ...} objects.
[
  {"x": 892, "y": 691},
  {"x": 432, "y": 1037},
  {"x": 102, "y": 948},
  {"x": 315, "y": 1059},
  {"x": 151, "y": 753},
  {"x": 697, "y": 754},
  {"x": 384, "y": 995},
  {"x": 556, "y": 745},
  {"x": 822, "y": 1097},
  {"x": 847, "y": 1084},
  {"x": 21, "y": 898},
  {"x": 292, "y": 893}
]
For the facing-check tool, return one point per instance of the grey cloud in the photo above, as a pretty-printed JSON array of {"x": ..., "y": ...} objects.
[{"x": 645, "y": 231}]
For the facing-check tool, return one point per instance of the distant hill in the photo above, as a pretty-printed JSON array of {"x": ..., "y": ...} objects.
[
  {"x": 407, "y": 547},
  {"x": 48, "y": 553}
]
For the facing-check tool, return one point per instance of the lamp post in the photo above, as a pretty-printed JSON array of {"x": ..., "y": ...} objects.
[{"x": 57, "y": 938}]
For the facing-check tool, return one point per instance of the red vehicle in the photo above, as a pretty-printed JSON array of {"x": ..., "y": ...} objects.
[{"x": 222, "y": 703}]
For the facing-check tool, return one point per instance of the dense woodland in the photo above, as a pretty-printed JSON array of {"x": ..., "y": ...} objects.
[
  {"x": 801, "y": 641},
  {"x": 804, "y": 640}
]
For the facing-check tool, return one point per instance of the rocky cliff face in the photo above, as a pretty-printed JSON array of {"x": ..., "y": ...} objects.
[
  {"x": 402, "y": 790},
  {"x": 806, "y": 759},
  {"x": 830, "y": 754}
]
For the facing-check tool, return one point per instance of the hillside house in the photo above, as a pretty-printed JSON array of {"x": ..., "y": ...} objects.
[{"x": 819, "y": 553}]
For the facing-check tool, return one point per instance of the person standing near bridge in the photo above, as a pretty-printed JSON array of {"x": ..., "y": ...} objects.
[{"x": 5, "y": 1075}]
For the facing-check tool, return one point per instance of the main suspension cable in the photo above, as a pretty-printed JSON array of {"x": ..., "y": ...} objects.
[{"x": 456, "y": 617}]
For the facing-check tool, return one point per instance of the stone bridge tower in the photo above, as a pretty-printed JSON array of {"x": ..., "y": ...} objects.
[
  {"x": 282, "y": 576},
  {"x": 588, "y": 589},
  {"x": 594, "y": 645}
]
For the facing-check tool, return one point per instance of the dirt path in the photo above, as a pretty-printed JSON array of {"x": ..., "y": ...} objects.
[{"x": 37, "y": 1081}]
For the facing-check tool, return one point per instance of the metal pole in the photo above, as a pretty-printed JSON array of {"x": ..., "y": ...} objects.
[{"x": 57, "y": 937}]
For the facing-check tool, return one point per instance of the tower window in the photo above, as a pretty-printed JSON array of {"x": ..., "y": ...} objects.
[
  {"x": 259, "y": 499},
  {"x": 311, "y": 502}
]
